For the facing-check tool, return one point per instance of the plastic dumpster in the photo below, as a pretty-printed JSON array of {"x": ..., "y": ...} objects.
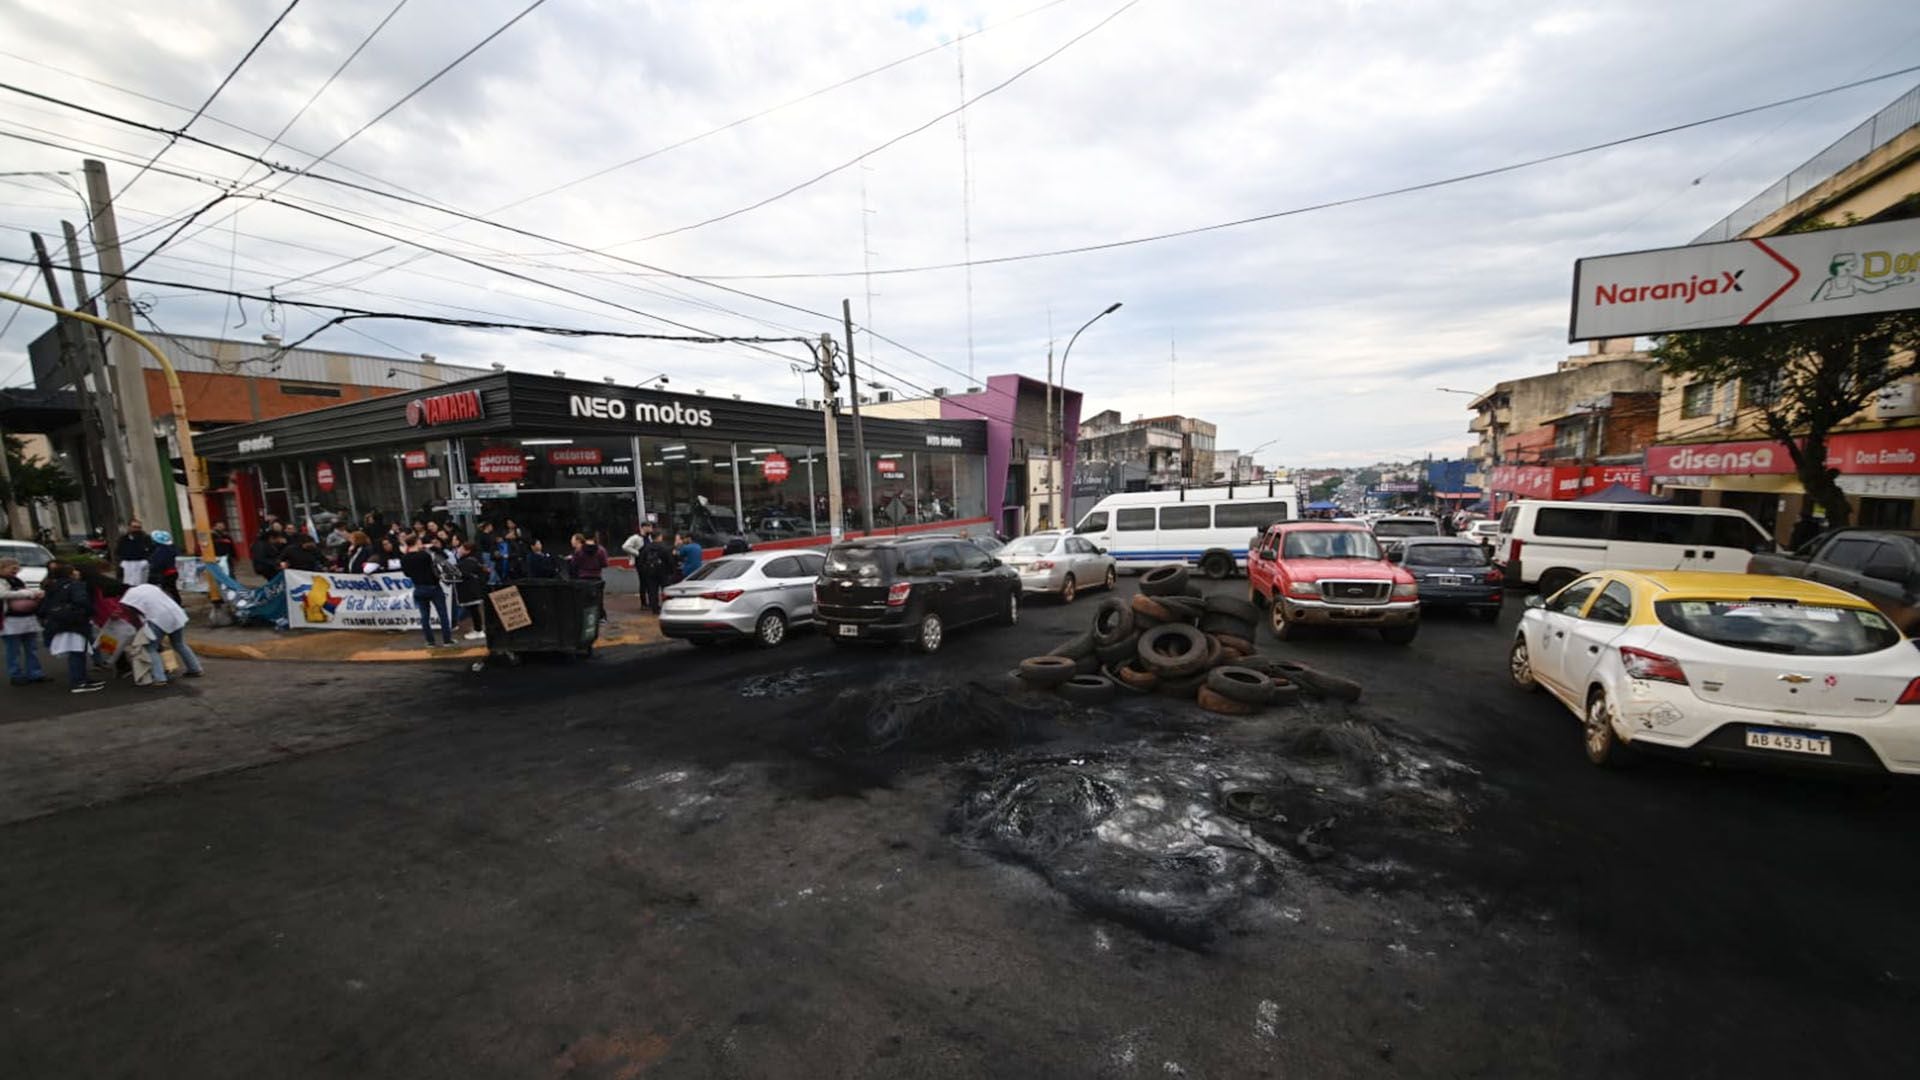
[{"x": 565, "y": 614}]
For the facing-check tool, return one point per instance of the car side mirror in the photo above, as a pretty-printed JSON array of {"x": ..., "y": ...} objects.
[
  {"x": 1394, "y": 556},
  {"x": 1536, "y": 601},
  {"x": 1098, "y": 550}
]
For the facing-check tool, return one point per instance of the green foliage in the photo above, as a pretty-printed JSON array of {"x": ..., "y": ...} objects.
[
  {"x": 36, "y": 479},
  {"x": 1325, "y": 490}
]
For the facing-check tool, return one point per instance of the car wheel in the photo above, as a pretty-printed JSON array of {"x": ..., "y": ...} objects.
[
  {"x": 771, "y": 630},
  {"x": 1277, "y": 619},
  {"x": 1520, "y": 664},
  {"x": 1217, "y": 565},
  {"x": 1068, "y": 590},
  {"x": 1113, "y": 577},
  {"x": 1010, "y": 615},
  {"x": 933, "y": 632},
  {"x": 1400, "y": 635},
  {"x": 1604, "y": 746}
]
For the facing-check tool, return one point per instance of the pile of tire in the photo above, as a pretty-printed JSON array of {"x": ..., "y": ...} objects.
[{"x": 1172, "y": 640}]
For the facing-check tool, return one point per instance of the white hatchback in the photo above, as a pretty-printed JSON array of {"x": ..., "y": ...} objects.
[{"x": 1739, "y": 666}]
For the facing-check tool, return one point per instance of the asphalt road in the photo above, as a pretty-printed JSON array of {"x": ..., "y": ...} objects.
[{"x": 816, "y": 862}]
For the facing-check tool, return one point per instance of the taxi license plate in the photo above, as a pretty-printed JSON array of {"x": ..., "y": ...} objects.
[
  {"x": 1793, "y": 742},
  {"x": 849, "y": 630}
]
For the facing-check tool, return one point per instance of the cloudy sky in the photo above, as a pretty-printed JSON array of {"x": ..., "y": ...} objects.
[{"x": 1323, "y": 335}]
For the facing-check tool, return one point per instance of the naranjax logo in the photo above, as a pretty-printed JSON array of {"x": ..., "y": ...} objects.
[{"x": 1684, "y": 291}]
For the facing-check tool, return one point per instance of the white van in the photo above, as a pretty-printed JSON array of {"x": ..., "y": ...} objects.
[
  {"x": 1207, "y": 527},
  {"x": 1548, "y": 544}
]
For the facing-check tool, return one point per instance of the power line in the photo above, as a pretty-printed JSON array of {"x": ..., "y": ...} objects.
[
  {"x": 1388, "y": 193},
  {"x": 197, "y": 113},
  {"x": 858, "y": 158}
]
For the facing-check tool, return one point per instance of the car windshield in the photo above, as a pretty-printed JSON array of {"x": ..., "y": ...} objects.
[
  {"x": 1407, "y": 528},
  {"x": 1030, "y": 545},
  {"x": 721, "y": 570},
  {"x": 1780, "y": 626},
  {"x": 857, "y": 562},
  {"x": 1330, "y": 544},
  {"x": 28, "y": 554},
  {"x": 1446, "y": 555}
]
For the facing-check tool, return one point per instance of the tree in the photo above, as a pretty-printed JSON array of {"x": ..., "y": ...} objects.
[
  {"x": 1325, "y": 490},
  {"x": 1806, "y": 378},
  {"x": 37, "y": 480}
]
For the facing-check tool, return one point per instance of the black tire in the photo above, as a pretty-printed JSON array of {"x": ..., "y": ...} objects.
[
  {"x": 1134, "y": 677},
  {"x": 1118, "y": 652},
  {"x": 1400, "y": 635},
  {"x": 1187, "y": 609},
  {"x": 1048, "y": 670},
  {"x": 1194, "y": 591},
  {"x": 1227, "y": 626},
  {"x": 1164, "y": 581},
  {"x": 1598, "y": 735},
  {"x": 1175, "y": 649},
  {"x": 1284, "y": 692},
  {"x": 1079, "y": 646},
  {"x": 1552, "y": 581},
  {"x": 1242, "y": 645},
  {"x": 1068, "y": 590},
  {"x": 1217, "y": 565},
  {"x": 1122, "y": 685},
  {"x": 1241, "y": 684},
  {"x": 1148, "y": 611},
  {"x": 1184, "y": 687},
  {"x": 1112, "y": 621},
  {"x": 1112, "y": 578},
  {"x": 1520, "y": 665},
  {"x": 771, "y": 629},
  {"x": 1010, "y": 611},
  {"x": 1087, "y": 689},
  {"x": 1312, "y": 679},
  {"x": 1233, "y": 606},
  {"x": 1215, "y": 702},
  {"x": 930, "y": 634}
]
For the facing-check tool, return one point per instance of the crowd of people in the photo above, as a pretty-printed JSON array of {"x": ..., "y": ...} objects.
[{"x": 72, "y": 608}]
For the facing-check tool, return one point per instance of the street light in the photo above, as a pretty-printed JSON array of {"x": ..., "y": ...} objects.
[
  {"x": 1451, "y": 390},
  {"x": 642, "y": 384},
  {"x": 1056, "y": 433}
]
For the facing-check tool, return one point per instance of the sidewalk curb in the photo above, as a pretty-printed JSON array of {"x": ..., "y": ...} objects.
[{"x": 464, "y": 654}]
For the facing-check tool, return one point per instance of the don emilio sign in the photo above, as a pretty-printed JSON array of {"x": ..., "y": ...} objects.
[{"x": 1858, "y": 270}]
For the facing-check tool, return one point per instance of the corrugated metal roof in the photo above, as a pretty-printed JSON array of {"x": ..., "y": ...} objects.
[{"x": 219, "y": 356}]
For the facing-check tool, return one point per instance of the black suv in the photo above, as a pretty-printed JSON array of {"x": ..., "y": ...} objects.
[{"x": 912, "y": 589}]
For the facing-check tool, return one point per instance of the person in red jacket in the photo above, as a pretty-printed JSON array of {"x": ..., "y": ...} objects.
[{"x": 588, "y": 562}]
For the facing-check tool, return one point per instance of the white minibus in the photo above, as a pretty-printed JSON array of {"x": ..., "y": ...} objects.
[
  {"x": 1206, "y": 527},
  {"x": 1548, "y": 544}
]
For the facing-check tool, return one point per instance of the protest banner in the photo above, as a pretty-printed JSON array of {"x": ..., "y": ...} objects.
[{"x": 329, "y": 601}]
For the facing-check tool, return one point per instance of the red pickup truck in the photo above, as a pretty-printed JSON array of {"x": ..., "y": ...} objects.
[{"x": 1323, "y": 574}]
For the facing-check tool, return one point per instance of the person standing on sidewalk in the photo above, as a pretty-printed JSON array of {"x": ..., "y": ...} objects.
[
  {"x": 652, "y": 565},
  {"x": 163, "y": 566},
  {"x": 429, "y": 596},
  {"x": 20, "y": 627},
  {"x": 132, "y": 552},
  {"x": 66, "y": 613},
  {"x": 471, "y": 590},
  {"x": 223, "y": 548},
  {"x": 632, "y": 547},
  {"x": 588, "y": 562},
  {"x": 165, "y": 620},
  {"x": 689, "y": 555}
]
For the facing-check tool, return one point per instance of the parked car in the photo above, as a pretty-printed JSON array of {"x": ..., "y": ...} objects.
[
  {"x": 1452, "y": 572},
  {"x": 1743, "y": 666},
  {"x": 759, "y": 596},
  {"x": 1059, "y": 562},
  {"x": 1485, "y": 532},
  {"x": 1201, "y": 527},
  {"x": 912, "y": 589},
  {"x": 1322, "y": 574},
  {"x": 1878, "y": 565},
  {"x": 33, "y": 559},
  {"x": 1390, "y": 531},
  {"x": 1551, "y": 543}
]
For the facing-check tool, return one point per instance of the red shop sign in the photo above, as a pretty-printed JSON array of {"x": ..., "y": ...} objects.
[
  {"x": 574, "y": 455},
  {"x": 775, "y": 468},
  {"x": 323, "y": 476},
  {"x": 1854, "y": 453},
  {"x": 500, "y": 465},
  {"x": 888, "y": 467},
  {"x": 414, "y": 459}
]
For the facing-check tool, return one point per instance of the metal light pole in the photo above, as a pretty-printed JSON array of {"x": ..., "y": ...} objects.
[{"x": 1056, "y": 431}]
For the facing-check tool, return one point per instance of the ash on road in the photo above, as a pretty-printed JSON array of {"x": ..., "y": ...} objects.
[{"x": 816, "y": 862}]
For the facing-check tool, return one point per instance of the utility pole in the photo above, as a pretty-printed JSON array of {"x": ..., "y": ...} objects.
[
  {"x": 823, "y": 362},
  {"x": 1048, "y": 445},
  {"x": 130, "y": 384},
  {"x": 100, "y": 399},
  {"x": 73, "y": 344},
  {"x": 859, "y": 436}
]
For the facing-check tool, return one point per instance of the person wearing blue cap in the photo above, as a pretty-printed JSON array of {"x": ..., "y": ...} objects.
[{"x": 163, "y": 564}]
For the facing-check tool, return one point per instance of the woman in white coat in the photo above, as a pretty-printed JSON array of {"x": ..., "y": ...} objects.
[{"x": 163, "y": 619}]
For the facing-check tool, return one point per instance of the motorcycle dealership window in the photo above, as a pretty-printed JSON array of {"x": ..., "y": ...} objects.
[
  {"x": 774, "y": 482},
  {"x": 556, "y": 463},
  {"x": 689, "y": 486}
]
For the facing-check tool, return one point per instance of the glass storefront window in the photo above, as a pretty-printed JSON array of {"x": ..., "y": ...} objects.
[
  {"x": 893, "y": 489},
  {"x": 777, "y": 509},
  {"x": 689, "y": 485}
]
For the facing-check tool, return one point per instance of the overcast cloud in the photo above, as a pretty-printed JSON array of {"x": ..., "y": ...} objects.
[{"x": 1324, "y": 335}]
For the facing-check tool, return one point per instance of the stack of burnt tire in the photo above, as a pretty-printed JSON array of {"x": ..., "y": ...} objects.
[{"x": 1171, "y": 640}]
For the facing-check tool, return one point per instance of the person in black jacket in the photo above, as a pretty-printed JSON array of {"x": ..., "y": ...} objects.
[
  {"x": 652, "y": 563},
  {"x": 539, "y": 563},
  {"x": 472, "y": 590},
  {"x": 429, "y": 596},
  {"x": 132, "y": 553},
  {"x": 266, "y": 554},
  {"x": 67, "y": 614}
]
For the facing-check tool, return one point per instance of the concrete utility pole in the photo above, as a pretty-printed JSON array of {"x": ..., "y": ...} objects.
[
  {"x": 99, "y": 399},
  {"x": 130, "y": 384},
  {"x": 836, "y": 514},
  {"x": 73, "y": 345},
  {"x": 859, "y": 436}
]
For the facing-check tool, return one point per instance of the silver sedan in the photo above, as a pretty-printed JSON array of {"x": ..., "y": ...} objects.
[
  {"x": 757, "y": 596},
  {"x": 1059, "y": 562}
]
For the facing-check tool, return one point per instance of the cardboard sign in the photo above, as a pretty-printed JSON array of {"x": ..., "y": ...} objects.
[{"x": 511, "y": 607}]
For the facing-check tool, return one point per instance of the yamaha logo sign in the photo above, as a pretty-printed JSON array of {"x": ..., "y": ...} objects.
[{"x": 454, "y": 408}]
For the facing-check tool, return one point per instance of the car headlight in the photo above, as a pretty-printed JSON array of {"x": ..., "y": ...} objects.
[
  {"x": 1303, "y": 588},
  {"x": 1408, "y": 591}
]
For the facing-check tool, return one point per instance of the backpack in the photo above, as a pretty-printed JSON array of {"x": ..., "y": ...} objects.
[
  {"x": 447, "y": 573},
  {"x": 653, "y": 557}
]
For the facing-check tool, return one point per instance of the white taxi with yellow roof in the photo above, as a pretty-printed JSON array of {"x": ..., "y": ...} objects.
[{"x": 1742, "y": 666}]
